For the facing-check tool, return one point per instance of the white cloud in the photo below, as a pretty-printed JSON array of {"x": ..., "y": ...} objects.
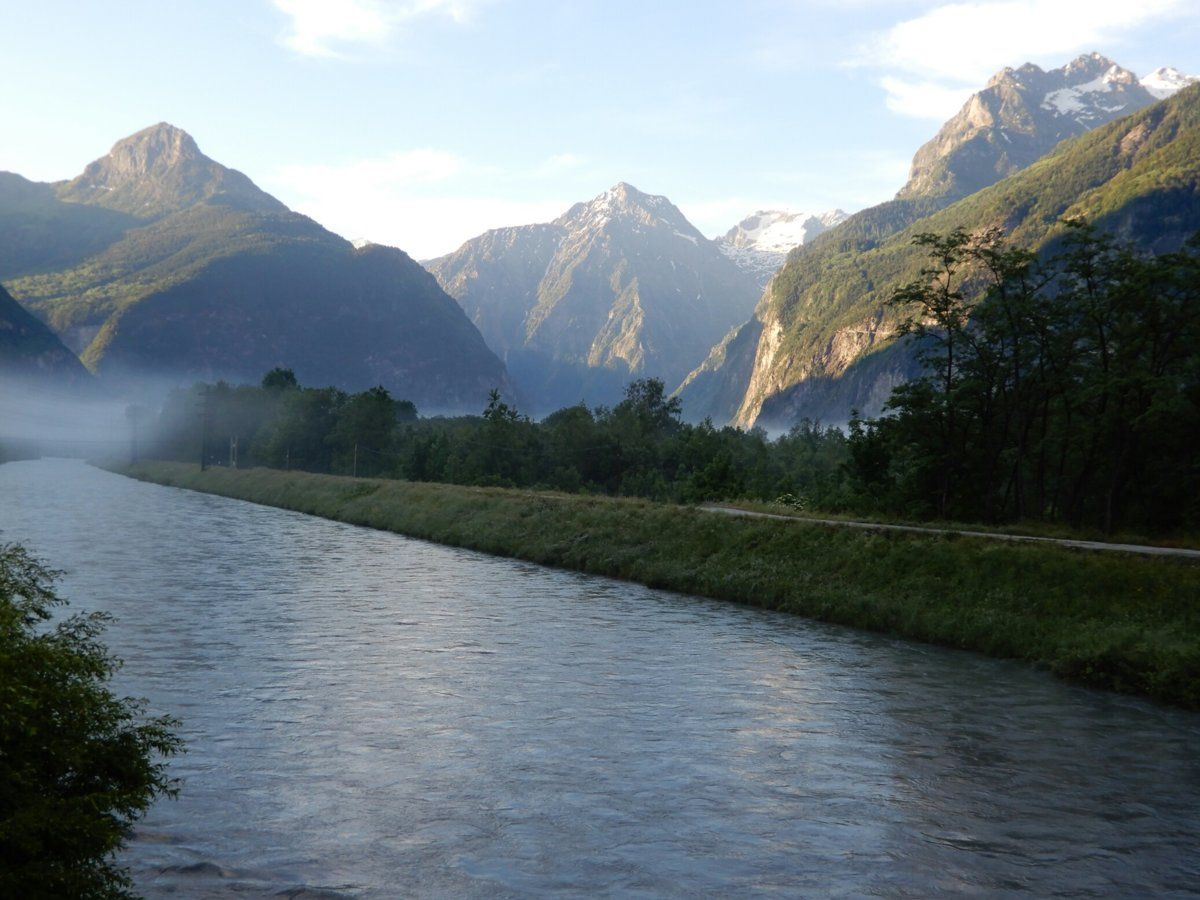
[
  {"x": 938, "y": 58},
  {"x": 319, "y": 27},
  {"x": 926, "y": 99},
  {"x": 425, "y": 201}
]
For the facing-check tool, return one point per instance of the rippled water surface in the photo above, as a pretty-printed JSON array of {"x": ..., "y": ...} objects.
[{"x": 372, "y": 716}]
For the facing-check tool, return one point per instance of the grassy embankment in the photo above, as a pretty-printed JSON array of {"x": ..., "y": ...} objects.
[{"x": 1104, "y": 619}]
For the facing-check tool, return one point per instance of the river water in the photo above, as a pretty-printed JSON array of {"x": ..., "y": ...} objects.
[{"x": 372, "y": 716}]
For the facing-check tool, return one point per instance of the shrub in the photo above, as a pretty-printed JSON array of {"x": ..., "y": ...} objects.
[{"x": 78, "y": 765}]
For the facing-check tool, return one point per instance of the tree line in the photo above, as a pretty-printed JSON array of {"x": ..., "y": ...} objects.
[
  {"x": 638, "y": 447},
  {"x": 1060, "y": 387}
]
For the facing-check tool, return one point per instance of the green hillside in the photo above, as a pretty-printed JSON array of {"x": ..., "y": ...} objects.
[
  {"x": 1138, "y": 176},
  {"x": 158, "y": 261},
  {"x": 30, "y": 351}
]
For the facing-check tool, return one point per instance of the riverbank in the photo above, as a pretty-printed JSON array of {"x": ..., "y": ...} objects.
[{"x": 1120, "y": 622}]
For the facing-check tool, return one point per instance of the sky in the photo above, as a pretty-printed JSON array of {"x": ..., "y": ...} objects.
[{"x": 421, "y": 123}]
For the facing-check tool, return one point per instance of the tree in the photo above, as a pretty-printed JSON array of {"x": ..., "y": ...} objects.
[
  {"x": 1062, "y": 385},
  {"x": 365, "y": 426},
  {"x": 280, "y": 380},
  {"x": 78, "y": 765}
]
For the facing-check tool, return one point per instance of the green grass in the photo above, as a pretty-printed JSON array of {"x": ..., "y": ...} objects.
[{"x": 1108, "y": 620}]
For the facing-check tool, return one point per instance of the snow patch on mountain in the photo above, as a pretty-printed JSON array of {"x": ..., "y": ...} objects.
[
  {"x": 761, "y": 241},
  {"x": 1113, "y": 91},
  {"x": 1090, "y": 100},
  {"x": 1165, "y": 81}
]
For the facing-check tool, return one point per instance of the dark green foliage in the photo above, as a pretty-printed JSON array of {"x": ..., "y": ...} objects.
[
  {"x": 1064, "y": 388},
  {"x": 29, "y": 350},
  {"x": 639, "y": 447},
  {"x": 78, "y": 765}
]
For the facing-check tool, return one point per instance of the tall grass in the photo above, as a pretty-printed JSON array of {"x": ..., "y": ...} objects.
[{"x": 1109, "y": 620}]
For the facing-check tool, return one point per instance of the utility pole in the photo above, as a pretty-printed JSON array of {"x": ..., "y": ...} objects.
[
  {"x": 355, "y": 470},
  {"x": 287, "y": 460},
  {"x": 233, "y": 447}
]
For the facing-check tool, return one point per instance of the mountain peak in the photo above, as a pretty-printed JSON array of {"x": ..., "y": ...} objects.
[
  {"x": 1018, "y": 118},
  {"x": 152, "y": 151},
  {"x": 624, "y": 194},
  {"x": 160, "y": 170},
  {"x": 625, "y": 203},
  {"x": 1165, "y": 81},
  {"x": 1089, "y": 65}
]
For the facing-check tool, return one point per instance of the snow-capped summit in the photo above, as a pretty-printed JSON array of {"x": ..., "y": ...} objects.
[
  {"x": 761, "y": 241},
  {"x": 1025, "y": 112},
  {"x": 1093, "y": 89},
  {"x": 1165, "y": 81}
]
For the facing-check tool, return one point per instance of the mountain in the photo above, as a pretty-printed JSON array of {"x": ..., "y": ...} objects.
[
  {"x": 159, "y": 261},
  {"x": 761, "y": 242},
  {"x": 1021, "y": 116},
  {"x": 29, "y": 351},
  {"x": 617, "y": 288},
  {"x": 822, "y": 324},
  {"x": 827, "y": 340},
  {"x": 158, "y": 171},
  {"x": 1165, "y": 81}
]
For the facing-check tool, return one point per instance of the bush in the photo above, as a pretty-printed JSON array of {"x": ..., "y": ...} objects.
[{"x": 78, "y": 765}]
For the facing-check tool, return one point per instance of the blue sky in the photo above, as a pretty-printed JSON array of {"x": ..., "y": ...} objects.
[{"x": 421, "y": 123}]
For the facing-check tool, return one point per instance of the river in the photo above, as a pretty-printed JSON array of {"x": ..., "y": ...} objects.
[{"x": 373, "y": 716}]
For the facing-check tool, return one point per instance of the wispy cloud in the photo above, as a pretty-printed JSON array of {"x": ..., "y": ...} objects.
[
  {"x": 935, "y": 60},
  {"x": 326, "y": 27}
]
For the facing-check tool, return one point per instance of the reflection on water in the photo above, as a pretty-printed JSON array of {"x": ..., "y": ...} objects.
[{"x": 374, "y": 716}]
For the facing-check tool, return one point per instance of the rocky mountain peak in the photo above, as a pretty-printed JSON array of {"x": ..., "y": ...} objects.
[
  {"x": 623, "y": 203},
  {"x": 1021, "y": 115},
  {"x": 160, "y": 170},
  {"x": 1089, "y": 65},
  {"x": 151, "y": 151}
]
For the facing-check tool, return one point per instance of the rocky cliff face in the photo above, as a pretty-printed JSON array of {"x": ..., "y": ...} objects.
[
  {"x": 827, "y": 341},
  {"x": 160, "y": 170},
  {"x": 617, "y": 288},
  {"x": 164, "y": 263},
  {"x": 823, "y": 332},
  {"x": 1022, "y": 115}
]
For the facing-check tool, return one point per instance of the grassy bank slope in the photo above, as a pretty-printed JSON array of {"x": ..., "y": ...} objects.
[{"x": 1108, "y": 620}]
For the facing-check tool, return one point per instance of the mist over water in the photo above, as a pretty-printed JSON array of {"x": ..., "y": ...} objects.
[
  {"x": 95, "y": 422},
  {"x": 373, "y": 716},
  {"x": 36, "y": 421}
]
